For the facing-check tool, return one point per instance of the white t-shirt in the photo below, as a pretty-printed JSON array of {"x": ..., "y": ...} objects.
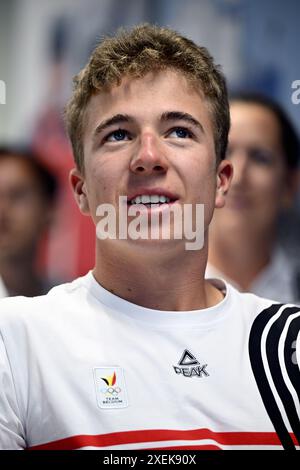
[
  {"x": 3, "y": 290},
  {"x": 81, "y": 368}
]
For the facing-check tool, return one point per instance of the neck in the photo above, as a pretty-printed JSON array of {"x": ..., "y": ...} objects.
[
  {"x": 19, "y": 276},
  {"x": 240, "y": 256},
  {"x": 159, "y": 280}
]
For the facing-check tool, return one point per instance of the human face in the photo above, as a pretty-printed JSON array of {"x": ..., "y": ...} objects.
[
  {"x": 259, "y": 183},
  {"x": 23, "y": 211},
  {"x": 151, "y": 134}
]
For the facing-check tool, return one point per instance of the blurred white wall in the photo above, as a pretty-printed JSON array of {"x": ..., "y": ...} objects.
[
  {"x": 244, "y": 36},
  {"x": 24, "y": 61},
  {"x": 25, "y": 29}
]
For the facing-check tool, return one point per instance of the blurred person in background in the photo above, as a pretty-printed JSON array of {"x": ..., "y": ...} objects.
[
  {"x": 27, "y": 193},
  {"x": 244, "y": 249}
]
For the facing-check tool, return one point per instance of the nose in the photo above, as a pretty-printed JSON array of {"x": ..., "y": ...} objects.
[{"x": 149, "y": 157}]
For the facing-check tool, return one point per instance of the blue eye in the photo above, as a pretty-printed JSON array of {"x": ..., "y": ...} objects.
[
  {"x": 180, "y": 132},
  {"x": 118, "y": 135}
]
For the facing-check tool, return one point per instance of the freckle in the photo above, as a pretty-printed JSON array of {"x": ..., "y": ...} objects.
[{"x": 129, "y": 290}]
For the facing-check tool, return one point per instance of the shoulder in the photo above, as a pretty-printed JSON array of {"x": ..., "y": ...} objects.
[
  {"x": 3, "y": 290},
  {"x": 275, "y": 330},
  {"x": 245, "y": 304},
  {"x": 263, "y": 308},
  {"x": 274, "y": 354},
  {"x": 16, "y": 311},
  {"x": 260, "y": 314}
]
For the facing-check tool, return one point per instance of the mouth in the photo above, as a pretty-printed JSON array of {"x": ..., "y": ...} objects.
[{"x": 152, "y": 200}]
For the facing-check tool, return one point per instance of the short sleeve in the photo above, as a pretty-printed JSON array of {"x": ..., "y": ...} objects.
[{"x": 11, "y": 428}]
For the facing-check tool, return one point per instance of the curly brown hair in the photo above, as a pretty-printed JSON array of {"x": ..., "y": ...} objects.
[{"x": 136, "y": 52}]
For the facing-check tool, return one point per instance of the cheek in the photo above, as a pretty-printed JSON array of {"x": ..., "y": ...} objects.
[
  {"x": 203, "y": 181},
  {"x": 198, "y": 169},
  {"x": 26, "y": 227},
  {"x": 24, "y": 216},
  {"x": 201, "y": 188},
  {"x": 35, "y": 219},
  {"x": 268, "y": 198},
  {"x": 101, "y": 183},
  {"x": 268, "y": 187}
]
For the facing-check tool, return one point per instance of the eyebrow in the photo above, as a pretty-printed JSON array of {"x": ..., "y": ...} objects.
[
  {"x": 181, "y": 116},
  {"x": 117, "y": 119},
  {"x": 166, "y": 116}
]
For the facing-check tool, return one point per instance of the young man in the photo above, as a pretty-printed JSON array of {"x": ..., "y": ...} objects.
[
  {"x": 243, "y": 243},
  {"x": 143, "y": 352}
]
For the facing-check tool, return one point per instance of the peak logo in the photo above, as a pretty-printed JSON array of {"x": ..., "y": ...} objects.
[{"x": 189, "y": 366}]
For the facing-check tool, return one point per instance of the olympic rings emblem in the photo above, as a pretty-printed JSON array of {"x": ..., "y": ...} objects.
[{"x": 112, "y": 391}]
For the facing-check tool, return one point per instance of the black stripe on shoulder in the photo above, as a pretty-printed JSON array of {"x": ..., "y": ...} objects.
[
  {"x": 262, "y": 382},
  {"x": 290, "y": 359},
  {"x": 272, "y": 350}
]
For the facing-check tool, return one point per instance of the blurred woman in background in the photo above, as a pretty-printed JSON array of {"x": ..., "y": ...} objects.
[{"x": 264, "y": 150}]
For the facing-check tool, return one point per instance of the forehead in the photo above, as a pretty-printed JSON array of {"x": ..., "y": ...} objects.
[
  {"x": 162, "y": 91},
  {"x": 254, "y": 122},
  {"x": 15, "y": 171}
]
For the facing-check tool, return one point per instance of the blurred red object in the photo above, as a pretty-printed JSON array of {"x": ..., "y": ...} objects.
[{"x": 70, "y": 249}]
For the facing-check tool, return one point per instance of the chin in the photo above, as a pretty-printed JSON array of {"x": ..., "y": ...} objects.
[{"x": 154, "y": 247}]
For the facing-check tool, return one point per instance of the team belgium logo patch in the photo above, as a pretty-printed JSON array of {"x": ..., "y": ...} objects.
[
  {"x": 110, "y": 387},
  {"x": 189, "y": 366}
]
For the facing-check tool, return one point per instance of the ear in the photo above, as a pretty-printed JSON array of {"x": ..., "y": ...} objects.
[
  {"x": 78, "y": 185},
  {"x": 224, "y": 177}
]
